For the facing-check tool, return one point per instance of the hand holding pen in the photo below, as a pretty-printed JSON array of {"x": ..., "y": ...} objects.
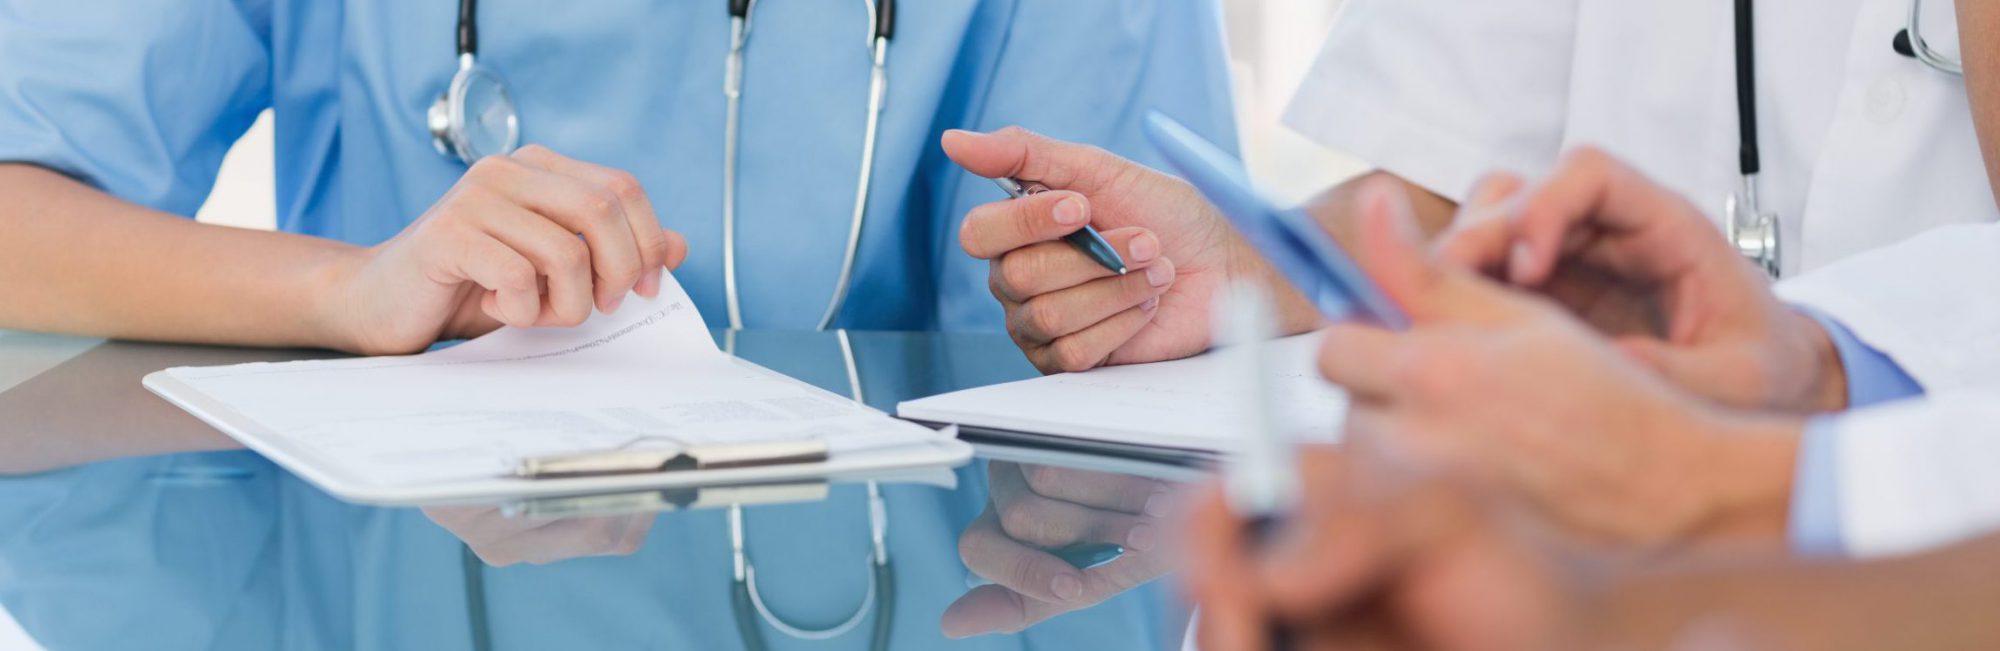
[{"x": 1066, "y": 309}]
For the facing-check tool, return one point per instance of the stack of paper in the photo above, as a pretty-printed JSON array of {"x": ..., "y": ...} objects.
[
  {"x": 1189, "y": 404},
  {"x": 454, "y": 423}
]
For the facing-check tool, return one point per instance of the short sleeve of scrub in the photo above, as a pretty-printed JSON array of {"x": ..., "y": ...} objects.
[{"x": 139, "y": 98}]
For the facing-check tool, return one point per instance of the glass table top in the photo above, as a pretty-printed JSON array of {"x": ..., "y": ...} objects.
[{"x": 124, "y": 522}]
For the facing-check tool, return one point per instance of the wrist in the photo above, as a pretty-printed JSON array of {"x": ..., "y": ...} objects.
[
  {"x": 1296, "y": 313},
  {"x": 330, "y": 319},
  {"x": 1826, "y": 379},
  {"x": 1747, "y": 472}
]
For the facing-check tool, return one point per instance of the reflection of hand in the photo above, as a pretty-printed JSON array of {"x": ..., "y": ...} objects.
[
  {"x": 1515, "y": 390},
  {"x": 1034, "y": 509},
  {"x": 1422, "y": 565},
  {"x": 1641, "y": 263},
  {"x": 502, "y": 541},
  {"x": 1067, "y": 312}
]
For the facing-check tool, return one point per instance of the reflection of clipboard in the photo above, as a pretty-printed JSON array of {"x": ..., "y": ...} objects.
[{"x": 693, "y": 498}]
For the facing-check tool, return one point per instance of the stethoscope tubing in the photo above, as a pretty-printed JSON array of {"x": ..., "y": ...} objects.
[{"x": 881, "y": 28}]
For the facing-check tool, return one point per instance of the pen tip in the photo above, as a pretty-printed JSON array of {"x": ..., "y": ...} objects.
[{"x": 1121, "y": 270}]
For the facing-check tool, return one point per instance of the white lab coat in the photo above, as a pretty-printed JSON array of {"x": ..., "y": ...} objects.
[
  {"x": 1918, "y": 473},
  {"x": 1861, "y": 146}
]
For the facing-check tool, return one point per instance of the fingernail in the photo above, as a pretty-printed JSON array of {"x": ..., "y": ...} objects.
[
  {"x": 1066, "y": 587},
  {"x": 1145, "y": 247},
  {"x": 1159, "y": 275},
  {"x": 1141, "y": 537},
  {"x": 1406, "y": 221},
  {"x": 649, "y": 284},
  {"x": 613, "y": 305},
  {"x": 1069, "y": 212},
  {"x": 1156, "y": 505},
  {"x": 1517, "y": 262},
  {"x": 1150, "y": 305}
]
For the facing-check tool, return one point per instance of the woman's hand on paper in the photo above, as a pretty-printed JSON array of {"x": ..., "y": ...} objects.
[
  {"x": 1641, "y": 264},
  {"x": 529, "y": 239},
  {"x": 1035, "y": 509},
  {"x": 1067, "y": 312},
  {"x": 500, "y": 541},
  {"x": 1507, "y": 387}
]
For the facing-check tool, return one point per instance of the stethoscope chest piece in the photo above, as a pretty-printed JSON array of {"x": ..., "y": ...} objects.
[
  {"x": 1753, "y": 232},
  {"x": 475, "y": 116}
]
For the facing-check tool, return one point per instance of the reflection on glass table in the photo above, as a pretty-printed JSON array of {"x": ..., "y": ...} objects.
[{"x": 123, "y": 520}]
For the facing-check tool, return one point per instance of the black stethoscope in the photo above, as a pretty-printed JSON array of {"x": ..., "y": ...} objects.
[
  {"x": 1753, "y": 230},
  {"x": 475, "y": 117}
]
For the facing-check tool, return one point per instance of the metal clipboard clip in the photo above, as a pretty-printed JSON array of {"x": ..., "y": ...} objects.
[
  {"x": 670, "y": 499},
  {"x": 697, "y": 458},
  {"x": 702, "y": 457}
]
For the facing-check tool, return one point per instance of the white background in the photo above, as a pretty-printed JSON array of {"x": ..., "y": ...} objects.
[{"x": 1271, "y": 43}]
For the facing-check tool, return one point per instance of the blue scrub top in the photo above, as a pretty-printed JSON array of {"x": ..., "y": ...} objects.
[{"x": 142, "y": 97}]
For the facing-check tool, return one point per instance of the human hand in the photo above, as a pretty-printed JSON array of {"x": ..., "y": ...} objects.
[
  {"x": 500, "y": 541},
  {"x": 1069, "y": 313},
  {"x": 1376, "y": 562},
  {"x": 1509, "y": 388},
  {"x": 1034, "y": 509},
  {"x": 1642, "y": 264},
  {"x": 502, "y": 247}
]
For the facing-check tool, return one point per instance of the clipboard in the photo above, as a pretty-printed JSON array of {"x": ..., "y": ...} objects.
[{"x": 699, "y": 467}]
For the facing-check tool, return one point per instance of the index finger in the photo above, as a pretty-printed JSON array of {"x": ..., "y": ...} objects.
[
  {"x": 1592, "y": 190},
  {"x": 658, "y": 247},
  {"x": 1480, "y": 235},
  {"x": 1101, "y": 490},
  {"x": 1031, "y": 157},
  {"x": 995, "y": 228}
]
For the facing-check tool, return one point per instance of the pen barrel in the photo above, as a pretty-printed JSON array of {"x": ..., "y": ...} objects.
[{"x": 1094, "y": 245}]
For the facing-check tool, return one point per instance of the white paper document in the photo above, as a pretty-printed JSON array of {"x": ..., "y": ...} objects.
[
  {"x": 1188, "y": 404},
  {"x": 647, "y": 377}
]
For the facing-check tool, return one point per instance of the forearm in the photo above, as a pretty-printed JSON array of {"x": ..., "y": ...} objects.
[
  {"x": 75, "y": 260},
  {"x": 1940, "y": 600},
  {"x": 1338, "y": 210}
]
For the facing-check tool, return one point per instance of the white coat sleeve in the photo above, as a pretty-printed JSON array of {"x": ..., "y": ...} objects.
[
  {"x": 1931, "y": 303},
  {"x": 1440, "y": 92},
  {"x": 1918, "y": 473}
]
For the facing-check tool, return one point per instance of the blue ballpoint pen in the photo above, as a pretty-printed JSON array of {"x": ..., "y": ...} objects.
[{"x": 1084, "y": 239}]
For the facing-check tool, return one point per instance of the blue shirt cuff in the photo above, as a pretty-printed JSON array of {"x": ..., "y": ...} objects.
[
  {"x": 1815, "y": 518},
  {"x": 1871, "y": 376}
]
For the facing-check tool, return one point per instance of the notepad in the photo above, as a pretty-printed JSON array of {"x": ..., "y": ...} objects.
[
  {"x": 455, "y": 423},
  {"x": 1187, "y": 405}
]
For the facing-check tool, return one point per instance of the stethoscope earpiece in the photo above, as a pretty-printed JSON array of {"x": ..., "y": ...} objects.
[{"x": 1901, "y": 44}]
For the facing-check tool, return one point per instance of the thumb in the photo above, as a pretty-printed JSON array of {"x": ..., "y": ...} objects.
[
  {"x": 1031, "y": 158},
  {"x": 1393, "y": 253}
]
